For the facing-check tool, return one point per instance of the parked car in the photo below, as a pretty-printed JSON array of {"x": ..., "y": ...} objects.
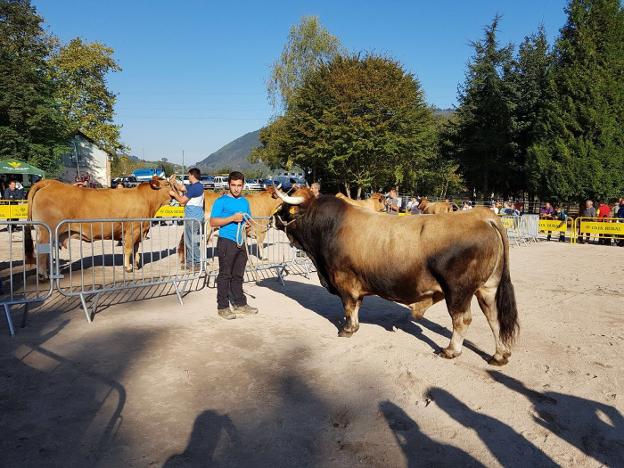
[
  {"x": 266, "y": 183},
  {"x": 220, "y": 182},
  {"x": 253, "y": 184},
  {"x": 208, "y": 182},
  {"x": 126, "y": 181}
]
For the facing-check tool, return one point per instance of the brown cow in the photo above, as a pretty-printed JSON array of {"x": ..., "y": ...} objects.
[
  {"x": 51, "y": 201},
  {"x": 450, "y": 256},
  {"x": 374, "y": 203},
  {"x": 427, "y": 207}
]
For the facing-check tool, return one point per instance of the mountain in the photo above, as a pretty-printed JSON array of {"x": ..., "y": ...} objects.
[{"x": 234, "y": 155}]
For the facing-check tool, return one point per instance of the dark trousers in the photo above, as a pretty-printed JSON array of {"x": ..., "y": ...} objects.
[{"x": 232, "y": 261}]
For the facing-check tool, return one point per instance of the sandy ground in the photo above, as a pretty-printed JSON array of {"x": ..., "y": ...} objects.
[{"x": 153, "y": 383}]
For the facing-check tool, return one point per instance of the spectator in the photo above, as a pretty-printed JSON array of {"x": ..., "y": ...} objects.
[
  {"x": 192, "y": 198},
  {"x": 466, "y": 206},
  {"x": 415, "y": 210},
  {"x": 604, "y": 211},
  {"x": 620, "y": 216},
  {"x": 547, "y": 212},
  {"x": 119, "y": 185},
  {"x": 228, "y": 214},
  {"x": 316, "y": 189},
  {"x": 587, "y": 212},
  {"x": 393, "y": 202},
  {"x": 13, "y": 194},
  {"x": 560, "y": 215}
]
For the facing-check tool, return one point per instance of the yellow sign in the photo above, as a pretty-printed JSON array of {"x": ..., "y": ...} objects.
[
  {"x": 170, "y": 212},
  {"x": 15, "y": 164},
  {"x": 14, "y": 211},
  {"x": 553, "y": 225},
  {"x": 508, "y": 223},
  {"x": 595, "y": 227}
]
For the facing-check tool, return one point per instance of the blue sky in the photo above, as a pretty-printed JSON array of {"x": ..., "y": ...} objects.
[{"x": 194, "y": 72}]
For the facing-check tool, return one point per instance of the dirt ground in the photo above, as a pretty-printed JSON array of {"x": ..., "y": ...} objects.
[{"x": 153, "y": 383}]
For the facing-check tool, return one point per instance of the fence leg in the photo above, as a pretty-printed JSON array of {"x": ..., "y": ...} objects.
[
  {"x": 85, "y": 308},
  {"x": 176, "y": 284},
  {"x": 7, "y": 312},
  {"x": 24, "y": 316}
]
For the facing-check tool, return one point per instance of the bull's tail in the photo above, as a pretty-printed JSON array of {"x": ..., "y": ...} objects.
[
  {"x": 29, "y": 248},
  {"x": 505, "y": 296}
]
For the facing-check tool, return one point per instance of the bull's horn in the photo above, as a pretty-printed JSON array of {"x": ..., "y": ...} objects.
[
  {"x": 290, "y": 200},
  {"x": 279, "y": 186}
]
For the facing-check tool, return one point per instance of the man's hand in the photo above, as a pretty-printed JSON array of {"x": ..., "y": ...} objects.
[
  {"x": 172, "y": 193},
  {"x": 237, "y": 218}
]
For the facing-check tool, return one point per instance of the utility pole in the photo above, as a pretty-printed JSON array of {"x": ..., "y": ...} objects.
[{"x": 183, "y": 166}]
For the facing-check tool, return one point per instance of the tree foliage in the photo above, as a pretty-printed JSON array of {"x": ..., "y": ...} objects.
[
  {"x": 361, "y": 121},
  {"x": 32, "y": 128},
  {"x": 309, "y": 44},
  {"x": 580, "y": 147},
  {"x": 80, "y": 69}
]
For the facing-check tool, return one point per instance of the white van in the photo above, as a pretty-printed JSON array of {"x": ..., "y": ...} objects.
[{"x": 220, "y": 182}]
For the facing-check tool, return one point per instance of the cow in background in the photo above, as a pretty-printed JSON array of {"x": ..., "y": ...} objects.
[{"x": 376, "y": 202}]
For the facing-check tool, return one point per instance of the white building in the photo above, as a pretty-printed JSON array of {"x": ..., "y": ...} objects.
[{"x": 86, "y": 160}]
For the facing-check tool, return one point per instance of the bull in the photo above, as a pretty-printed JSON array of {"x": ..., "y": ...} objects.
[
  {"x": 451, "y": 256},
  {"x": 427, "y": 207},
  {"x": 51, "y": 201}
]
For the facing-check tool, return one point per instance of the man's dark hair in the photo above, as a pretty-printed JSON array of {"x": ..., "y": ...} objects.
[
  {"x": 195, "y": 172},
  {"x": 235, "y": 175}
]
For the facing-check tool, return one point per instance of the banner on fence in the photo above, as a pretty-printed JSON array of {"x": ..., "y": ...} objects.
[
  {"x": 597, "y": 227},
  {"x": 553, "y": 225},
  {"x": 170, "y": 212},
  {"x": 14, "y": 211}
]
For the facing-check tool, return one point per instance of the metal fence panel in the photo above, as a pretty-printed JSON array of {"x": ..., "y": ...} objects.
[{"x": 20, "y": 282}]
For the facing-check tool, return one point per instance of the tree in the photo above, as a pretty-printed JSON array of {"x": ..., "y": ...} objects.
[
  {"x": 483, "y": 137},
  {"x": 529, "y": 79},
  {"x": 580, "y": 146},
  {"x": 308, "y": 45},
  {"x": 361, "y": 121},
  {"x": 31, "y": 126},
  {"x": 80, "y": 69}
]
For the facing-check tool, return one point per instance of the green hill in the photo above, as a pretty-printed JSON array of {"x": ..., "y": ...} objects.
[{"x": 234, "y": 156}]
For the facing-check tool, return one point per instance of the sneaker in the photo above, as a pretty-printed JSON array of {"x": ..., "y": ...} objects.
[
  {"x": 226, "y": 313},
  {"x": 245, "y": 310}
]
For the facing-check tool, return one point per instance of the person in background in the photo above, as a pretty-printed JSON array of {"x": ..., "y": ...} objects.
[
  {"x": 560, "y": 215},
  {"x": 604, "y": 211},
  {"x": 415, "y": 210},
  {"x": 316, "y": 189},
  {"x": 547, "y": 212},
  {"x": 192, "y": 198},
  {"x": 588, "y": 211},
  {"x": 393, "y": 202},
  {"x": 228, "y": 214},
  {"x": 620, "y": 216},
  {"x": 14, "y": 194},
  {"x": 119, "y": 185},
  {"x": 466, "y": 205}
]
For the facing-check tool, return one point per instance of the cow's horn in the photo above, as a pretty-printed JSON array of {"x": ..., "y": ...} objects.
[{"x": 290, "y": 200}]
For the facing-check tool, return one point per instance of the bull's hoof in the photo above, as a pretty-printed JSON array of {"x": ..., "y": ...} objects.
[
  {"x": 448, "y": 353},
  {"x": 43, "y": 277},
  {"x": 345, "y": 333},
  {"x": 128, "y": 270},
  {"x": 498, "y": 361}
]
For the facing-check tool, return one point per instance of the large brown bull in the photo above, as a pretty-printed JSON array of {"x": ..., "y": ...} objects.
[
  {"x": 51, "y": 201},
  {"x": 374, "y": 203},
  {"x": 451, "y": 257}
]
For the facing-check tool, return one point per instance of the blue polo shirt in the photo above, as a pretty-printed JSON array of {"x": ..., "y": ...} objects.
[{"x": 226, "y": 206}]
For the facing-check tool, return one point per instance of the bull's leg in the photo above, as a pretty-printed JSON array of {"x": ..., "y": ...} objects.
[
  {"x": 137, "y": 254},
  {"x": 181, "y": 251},
  {"x": 459, "y": 309},
  {"x": 487, "y": 300},
  {"x": 260, "y": 235},
  {"x": 351, "y": 310},
  {"x": 128, "y": 247},
  {"x": 43, "y": 237},
  {"x": 419, "y": 307}
]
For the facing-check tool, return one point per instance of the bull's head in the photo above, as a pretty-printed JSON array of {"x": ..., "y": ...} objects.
[
  {"x": 292, "y": 206},
  {"x": 164, "y": 186}
]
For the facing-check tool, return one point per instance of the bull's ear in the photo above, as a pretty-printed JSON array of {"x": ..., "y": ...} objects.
[{"x": 155, "y": 183}]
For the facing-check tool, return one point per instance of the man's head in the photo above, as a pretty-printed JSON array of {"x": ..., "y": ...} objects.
[
  {"x": 548, "y": 205},
  {"x": 12, "y": 184},
  {"x": 316, "y": 189},
  {"x": 119, "y": 185},
  {"x": 589, "y": 203},
  {"x": 194, "y": 175},
  {"x": 392, "y": 193},
  {"x": 236, "y": 181}
]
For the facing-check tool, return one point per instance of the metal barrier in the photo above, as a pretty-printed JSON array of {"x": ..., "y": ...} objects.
[
  {"x": 269, "y": 252},
  {"x": 19, "y": 283},
  {"x": 604, "y": 228},
  {"x": 521, "y": 229},
  {"x": 13, "y": 209},
  {"x": 107, "y": 265}
]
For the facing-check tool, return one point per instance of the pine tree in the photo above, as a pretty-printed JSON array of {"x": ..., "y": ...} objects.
[
  {"x": 31, "y": 126},
  {"x": 580, "y": 150}
]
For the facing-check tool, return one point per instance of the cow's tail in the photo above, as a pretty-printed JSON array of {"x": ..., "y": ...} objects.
[
  {"x": 505, "y": 296},
  {"x": 29, "y": 248}
]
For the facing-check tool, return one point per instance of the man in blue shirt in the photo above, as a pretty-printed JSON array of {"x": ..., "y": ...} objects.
[
  {"x": 229, "y": 213},
  {"x": 193, "y": 202}
]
